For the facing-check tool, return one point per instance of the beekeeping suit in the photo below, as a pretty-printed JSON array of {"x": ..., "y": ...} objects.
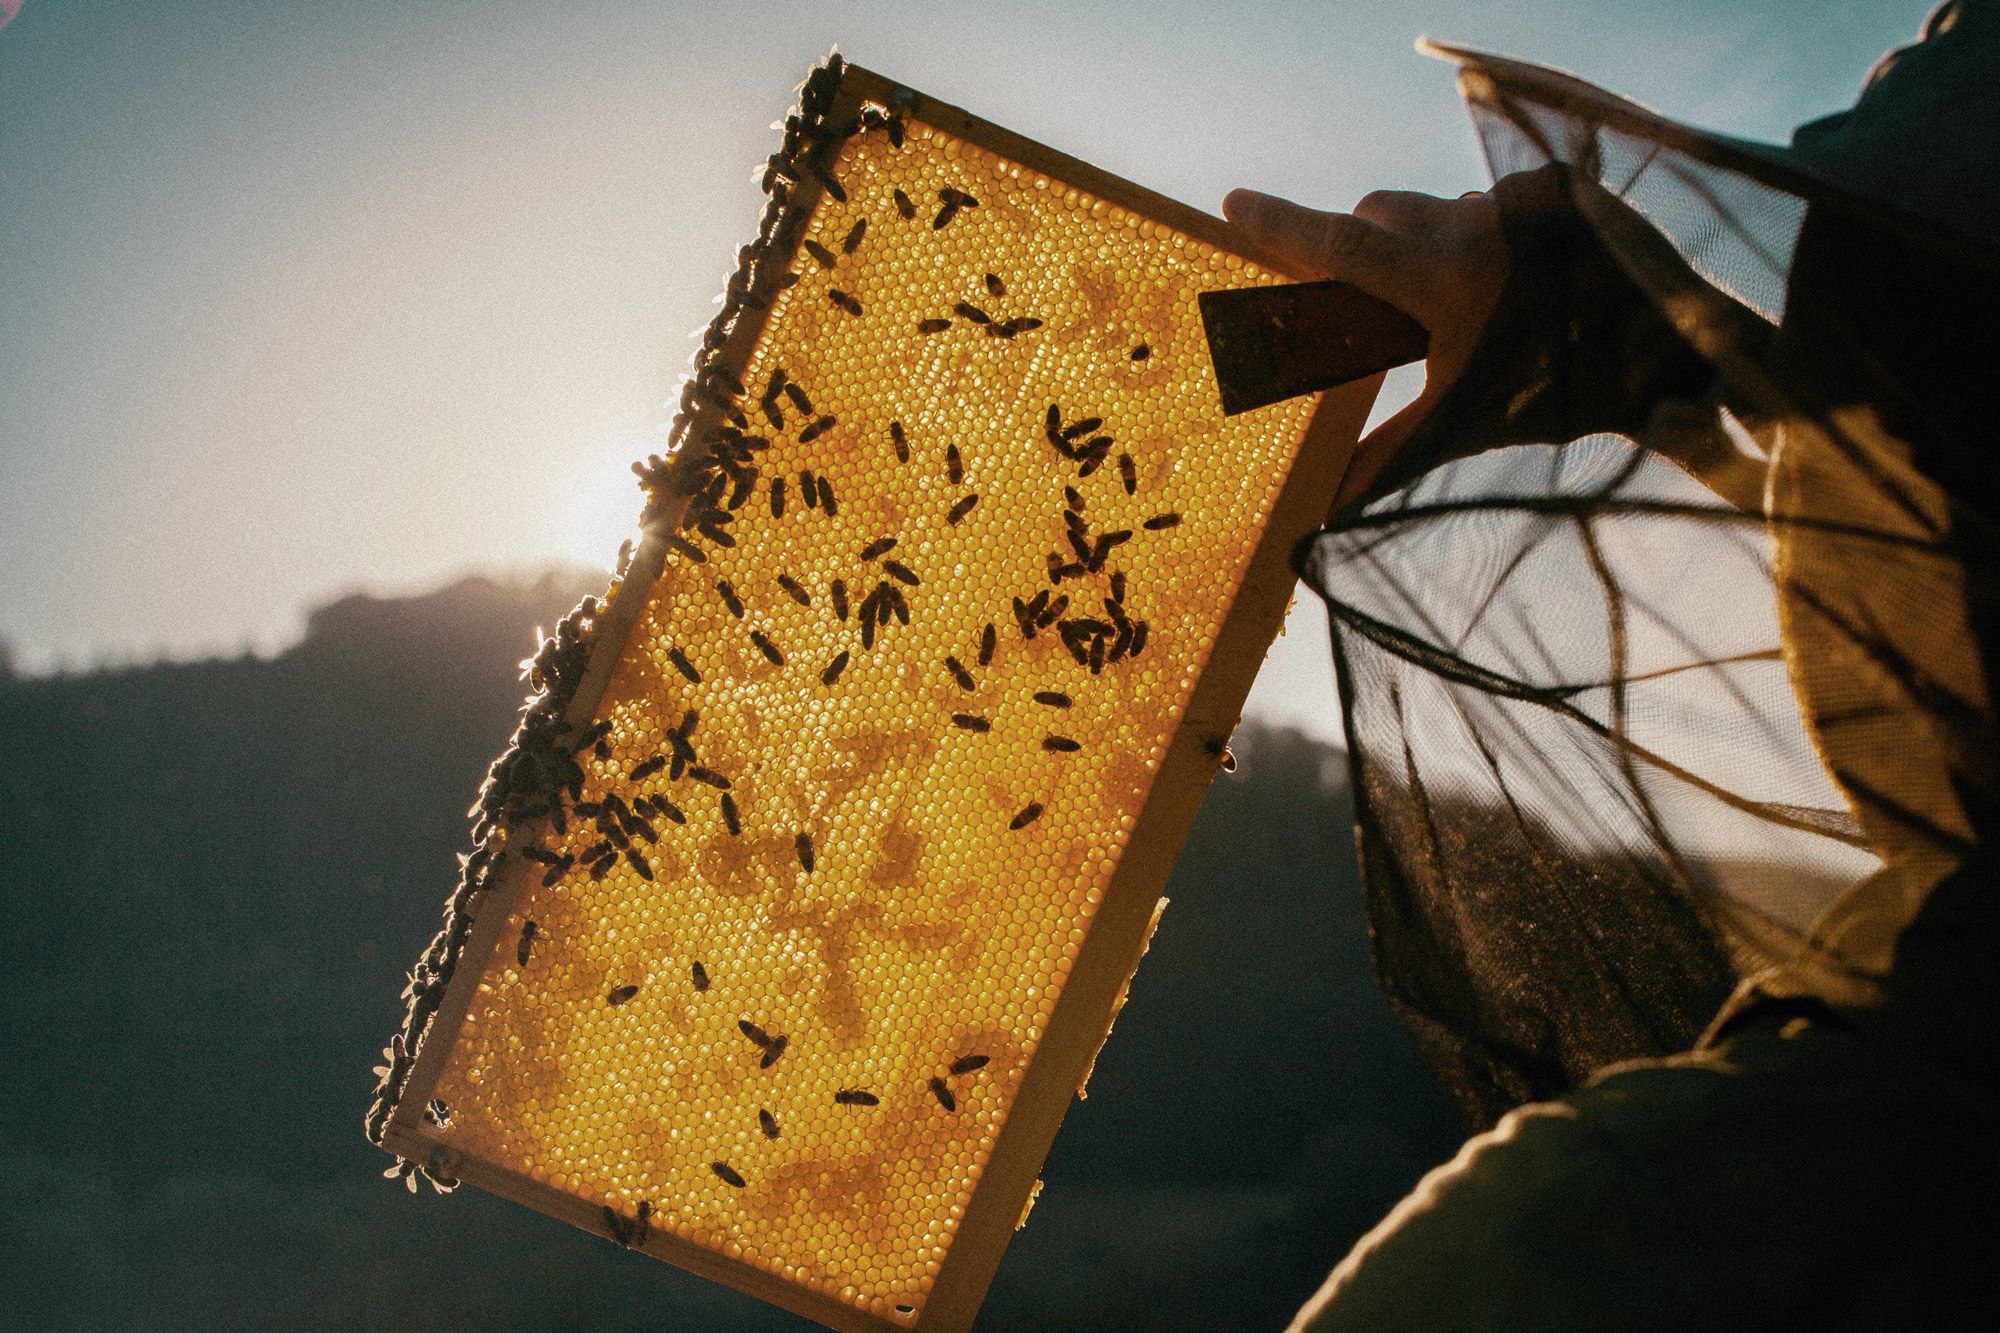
[{"x": 1666, "y": 645}]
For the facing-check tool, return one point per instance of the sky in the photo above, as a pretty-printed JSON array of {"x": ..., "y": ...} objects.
[{"x": 298, "y": 299}]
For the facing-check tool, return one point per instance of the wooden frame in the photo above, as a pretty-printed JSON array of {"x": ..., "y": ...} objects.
[{"x": 1117, "y": 936}]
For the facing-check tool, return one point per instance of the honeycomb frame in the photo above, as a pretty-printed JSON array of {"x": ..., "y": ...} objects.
[{"x": 1127, "y": 902}]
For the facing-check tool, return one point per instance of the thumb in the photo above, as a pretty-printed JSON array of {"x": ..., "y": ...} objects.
[
  {"x": 1375, "y": 450},
  {"x": 1329, "y": 245}
]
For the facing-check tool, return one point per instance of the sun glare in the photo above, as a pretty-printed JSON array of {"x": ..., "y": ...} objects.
[{"x": 599, "y": 503}]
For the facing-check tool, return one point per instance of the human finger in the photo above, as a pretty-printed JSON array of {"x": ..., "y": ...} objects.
[
  {"x": 1374, "y": 451},
  {"x": 1330, "y": 245},
  {"x": 1401, "y": 210}
]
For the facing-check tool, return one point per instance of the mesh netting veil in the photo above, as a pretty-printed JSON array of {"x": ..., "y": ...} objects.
[{"x": 1663, "y": 650}]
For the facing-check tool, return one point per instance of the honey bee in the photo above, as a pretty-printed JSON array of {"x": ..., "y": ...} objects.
[
  {"x": 1061, "y": 744},
  {"x": 942, "y": 1091},
  {"x": 557, "y": 871},
  {"x": 620, "y": 994},
  {"x": 946, "y": 212},
  {"x": 699, "y": 975},
  {"x": 961, "y": 509},
  {"x": 904, "y": 205},
  {"x": 967, "y": 310},
  {"x": 793, "y": 590},
  {"x": 809, "y": 488},
  {"x": 960, "y": 674},
  {"x": 826, "y": 497},
  {"x": 843, "y": 300},
  {"x": 933, "y": 325},
  {"x": 797, "y": 395},
  {"x": 803, "y": 844},
  {"x": 767, "y": 1122},
  {"x": 1141, "y": 352},
  {"x": 856, "y": 1097},
  {"x": 828, "y": 182},
  {"x": 773, "y": 1051},
  {"x": 758, "y": 1037},
  {"x": 1128, "y": 473},
  {"x": 529, "y": 930},
  {"x": 682, "y": 665},
  {"x": 668, "y": 810},
  {"x": 646, "y": 768},
  {"x": 1073, "y": 498},
  {"x": 726, "y": 589},
  {"x": 777, "y": 504},
  {"x": 954, "y": 466},
  {"x": 989, "y": 639},
  {"x": 729, "y": 815},
  {"x": 965, "y": 1064},
  {"x": 821, "y": 253},
  {"x": 686, "y": 548},
  {"x": 1028, "y": 814},
  {"x": 766, "y": 647},
  {"x": 1053, "y": 698},
  {"x": 821, "y": 425},
  {"x": 839, "y": 591},
  {"x": 727, "y": 1174},
  {"x": 1118, "y": 586},
  {"x": 994, "y": 286},
  {"x": 619, "y": 1228},
  {"x": 881, "y": 546},
  {"x": 901, "y": 572},
  {"x": 639, "y": 864},
  {"x": 1024, "y": 619},
  {"x": 1160, "y": 522},
  {"x": 971, "y": 722},
  {"x": 708, "y": 777},
  {"x": 899, "y": 440}
]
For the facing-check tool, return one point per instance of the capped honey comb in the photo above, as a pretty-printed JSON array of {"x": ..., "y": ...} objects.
[{"x": 820, "y": 865}]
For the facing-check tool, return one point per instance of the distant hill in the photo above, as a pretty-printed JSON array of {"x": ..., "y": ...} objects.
[{"x": 213, "y": 876}]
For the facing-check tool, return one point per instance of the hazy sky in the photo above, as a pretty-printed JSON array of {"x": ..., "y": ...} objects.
[{"x": 297, "y": 298}]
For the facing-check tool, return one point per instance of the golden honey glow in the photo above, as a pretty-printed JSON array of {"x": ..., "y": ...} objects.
[{"x": 929, "y": 929}]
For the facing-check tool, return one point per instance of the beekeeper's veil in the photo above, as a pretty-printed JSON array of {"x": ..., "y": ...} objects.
[{"x": 1667, "y": 648}]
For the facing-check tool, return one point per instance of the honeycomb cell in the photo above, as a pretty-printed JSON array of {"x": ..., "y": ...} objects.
[{"x": 879, "y": 737}]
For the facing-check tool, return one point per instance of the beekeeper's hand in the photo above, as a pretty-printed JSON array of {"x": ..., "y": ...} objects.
[{"x": 1442, "y": 261}]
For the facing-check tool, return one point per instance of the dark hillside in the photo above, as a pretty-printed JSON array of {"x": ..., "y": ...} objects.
[{"x": 213, "y": 876}]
